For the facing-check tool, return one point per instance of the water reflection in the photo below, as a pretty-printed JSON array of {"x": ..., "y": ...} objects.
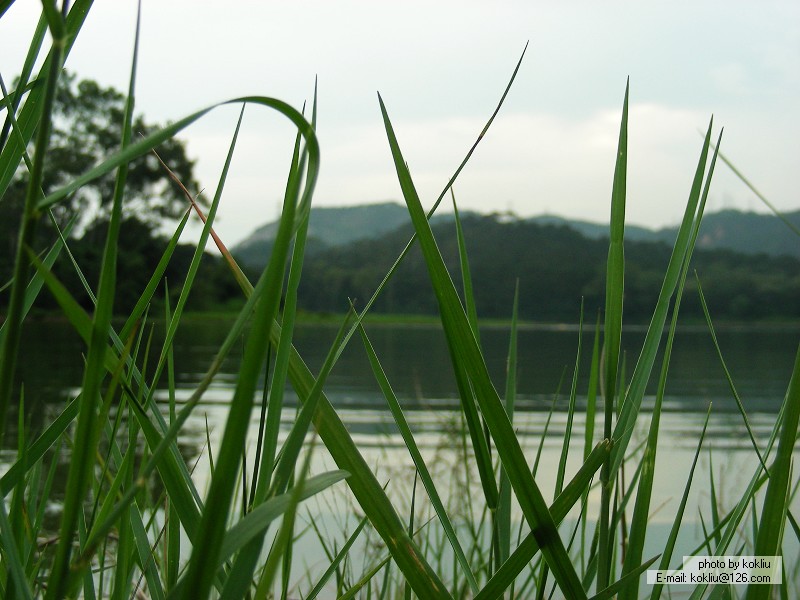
[{"x": 416, "y": 360}]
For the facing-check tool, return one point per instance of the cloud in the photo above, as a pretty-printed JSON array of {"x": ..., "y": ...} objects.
[{"x": 527, "y": 162}]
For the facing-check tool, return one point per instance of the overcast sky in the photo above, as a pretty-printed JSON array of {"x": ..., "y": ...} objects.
[{"x": 441, "y": 68}]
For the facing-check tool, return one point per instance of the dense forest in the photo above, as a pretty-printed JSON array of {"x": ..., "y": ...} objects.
[{"x": 556, "y": 266}]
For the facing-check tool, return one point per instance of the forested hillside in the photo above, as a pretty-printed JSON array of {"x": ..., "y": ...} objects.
[{"x": 556, "y": 267}]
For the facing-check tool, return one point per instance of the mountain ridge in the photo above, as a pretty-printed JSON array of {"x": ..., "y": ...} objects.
[{"x": 740, "y": 231}]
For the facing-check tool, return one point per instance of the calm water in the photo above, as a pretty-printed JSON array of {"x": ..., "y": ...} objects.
[{"x": 416, "y": 360}]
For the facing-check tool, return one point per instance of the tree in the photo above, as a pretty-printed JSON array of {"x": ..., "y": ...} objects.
[{"x": 87, "y": 127}]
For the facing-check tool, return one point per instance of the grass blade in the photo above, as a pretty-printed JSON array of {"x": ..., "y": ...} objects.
[
  {"x": 82, "y": 465},
  {"x": 362, "y": 482},
  {"x": 504, "y": 500},
  {"x": 666, "y": 555},
  {"x": 628, "y": 583},
  {"x": 758, "y": 194},
  {"x": 773, "y": 513},
  {"x": 635, "y": 549},
  {"x": 337, "y": 560},
  {"x": 466, "y": 353},
  {"x": 31, "y": 113},
  {"x": 612, "y": 331},
  {"x": 527, "y": 549},
  {"x": 735, "y": 394},
  {"x": 27, "y": 231},
  {"x": 419, "y": 463},
  {"x": 272, "y": 394},
  {"x": 201, "y": 570},
  {"x": 633, "y": 397},
  {"x": 257, "y": 521}
]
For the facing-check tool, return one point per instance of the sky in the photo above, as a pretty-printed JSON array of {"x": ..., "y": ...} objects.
[{"x": 441, "y": 69}]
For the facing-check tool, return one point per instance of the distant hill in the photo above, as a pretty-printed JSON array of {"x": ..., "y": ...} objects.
[
  {"x": 327, "y": 227},
  {"x": 750, "y": 233},
  {"x": 596, "y": 231},
  {"x": 332, "y": 227},
  {"x": 555, "y": 265},
  {"x": 745, "y": 232}
]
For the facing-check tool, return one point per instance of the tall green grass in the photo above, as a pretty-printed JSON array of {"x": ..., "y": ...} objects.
[{"x": 116, "y": 537}]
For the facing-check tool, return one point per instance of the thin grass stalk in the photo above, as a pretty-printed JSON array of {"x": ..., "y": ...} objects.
[
  {"x": 18, "y": 497},
  {"x": 46, "y": 440},
  {"x": 32, "y": 112},
  {"x": 145, "y": 555},
  {"x": 283, "y": 539},
  {"x": 123, "y": 567},
  {"x": 20, "y": 508},
  {"x": 258, "y": 520},
  {"x": 644, "y": 493},
  {"x": 759, "y": 195},
  {"x": 39, "y": 493},
  {"x": 666, "y": 555},
  {"x": 16, "y": 582},
  {"x": 406, "y": 586},
  {"x": 528, "y": 547},
  {"x": 466, "y": 277},
  {"x": 504, "y": 500},
  {"x": 200, "y": 574},
  {"x": 336, "y": 561},
  {"x": 732, "y": 521},
  {"x": 478, "y": 429},
  {"x": 88, "y": 579},
  {"x": 86, "y": 429},
  {"x": 625, "y": 584},
  {"x": 276, "y": 390},
  {"x": 635, "y": 392},
  {"x": 421, "y": 468},
  {"x": 292, "y": 447},
  {"x": 562, "y": 462},
  {"x": 365, "y": 579},
  {"x": 466, "y": 353},
  {"x": 172, "y": 541},
  {"x": 505, "y": 577},
  {"x": 591, "y": 408},
  {"x": 27, "y": 232},
  {"x": 34, "y": 286},
  {"x": 612, "y": 331},
  {"x": 773, "y": 513},
  {"x": 369, "y": 493},
  {"x": 390, "y": 273},
  {"x": 262, "y": 422},
  {"x": 548, "y": 420},
  {"x": 12, "y": 102},
  {"x": 728, "y": 377}
]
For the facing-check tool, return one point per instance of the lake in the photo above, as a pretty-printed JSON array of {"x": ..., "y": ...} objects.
[{"x": 416, "y": 360}]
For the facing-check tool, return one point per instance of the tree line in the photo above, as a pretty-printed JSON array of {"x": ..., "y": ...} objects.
[{"x": 556, "y": 267}]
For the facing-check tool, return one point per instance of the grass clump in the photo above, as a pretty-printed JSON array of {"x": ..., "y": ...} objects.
[{"x": 130, "y": 504}]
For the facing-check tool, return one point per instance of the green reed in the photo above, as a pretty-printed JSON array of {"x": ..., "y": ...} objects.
[{"x": 130, "y": 497}]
